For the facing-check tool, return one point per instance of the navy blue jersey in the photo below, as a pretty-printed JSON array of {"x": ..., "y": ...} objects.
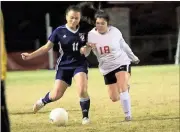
[{"x": 69, "y": 42}]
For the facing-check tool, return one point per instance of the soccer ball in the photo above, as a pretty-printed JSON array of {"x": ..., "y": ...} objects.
[{"x": 59, "y": 117}]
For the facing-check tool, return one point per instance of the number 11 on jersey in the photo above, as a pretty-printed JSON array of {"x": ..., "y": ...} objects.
[{"x": 75, "y": 46}]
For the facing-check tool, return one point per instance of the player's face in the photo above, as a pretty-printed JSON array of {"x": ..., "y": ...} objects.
[
  {"x": 73, "y": 18},
  {"x": 101, "y": 25}
]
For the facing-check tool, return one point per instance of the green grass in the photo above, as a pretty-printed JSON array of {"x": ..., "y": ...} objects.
[{"x": 154, "y": 94}]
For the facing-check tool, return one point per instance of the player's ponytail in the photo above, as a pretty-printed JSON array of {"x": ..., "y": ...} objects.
[{"x": 88, "y": 11}]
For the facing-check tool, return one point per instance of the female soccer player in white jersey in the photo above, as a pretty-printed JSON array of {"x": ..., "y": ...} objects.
[
  {"x": 70, "y": 64},
  {"x": 114, "y": 57}
]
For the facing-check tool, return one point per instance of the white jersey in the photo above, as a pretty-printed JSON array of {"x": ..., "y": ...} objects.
[{"x": 111, "y": 49}]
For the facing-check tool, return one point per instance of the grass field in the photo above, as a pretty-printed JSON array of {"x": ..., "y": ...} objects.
[{"x": 154, "y": 93}]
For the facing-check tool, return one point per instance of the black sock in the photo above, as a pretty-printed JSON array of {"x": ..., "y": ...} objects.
[
  {"x": 46, "y": 99},
  {"x": 85, "y": 105}
]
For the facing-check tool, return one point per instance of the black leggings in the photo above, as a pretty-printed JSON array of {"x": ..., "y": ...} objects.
[{"x": 5, "y": 125}]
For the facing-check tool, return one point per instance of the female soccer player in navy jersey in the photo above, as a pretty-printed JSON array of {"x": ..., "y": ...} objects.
[
  {"x": 70, "y": 64},
  {"x": 114, "y": 57}
]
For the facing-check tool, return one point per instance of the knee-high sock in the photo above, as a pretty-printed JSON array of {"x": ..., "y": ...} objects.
[
  {"x": 46, "y": 99},
  {"x": 85, "y": 105},
  {"x": 126, "y": 103}
]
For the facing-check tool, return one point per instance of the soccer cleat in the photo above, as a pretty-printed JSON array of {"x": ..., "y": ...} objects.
[
  {"x": 38, "y": 105},
  {"x": 85, "y": 121},
  {"x": 128, "y": 118}
]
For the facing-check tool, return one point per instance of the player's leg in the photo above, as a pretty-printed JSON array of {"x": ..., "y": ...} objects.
[
  {"x": 113, "y": 91},
  {"x": 128, "y": 87},
  {"x": 123, "y": 77},
  {"x": 63, "y": 80},
  {"x": 129, "y": 71},
  {"x": 4, "y": 112},
  {"x": 80, "y": 77},
  {"x": 57, "y": 92}
]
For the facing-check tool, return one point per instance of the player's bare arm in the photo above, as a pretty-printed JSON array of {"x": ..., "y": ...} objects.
[{"x": 44, "y": 49}]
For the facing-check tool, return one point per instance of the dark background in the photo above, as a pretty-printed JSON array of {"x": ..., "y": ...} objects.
[{"x": 25, "y": 20}]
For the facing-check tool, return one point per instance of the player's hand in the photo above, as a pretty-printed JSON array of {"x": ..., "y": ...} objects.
[
  {"x": 136, "y": 61},
  {"x": 25, "y": 56},
  {"x": 83, "y": 50},
  {"x": 92, "y": 45}
]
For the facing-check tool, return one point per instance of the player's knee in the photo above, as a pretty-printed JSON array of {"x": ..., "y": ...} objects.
[{"x": 114, "y": 99}]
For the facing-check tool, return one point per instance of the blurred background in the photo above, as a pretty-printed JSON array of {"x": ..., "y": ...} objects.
[{"x": 150, "y": 28}]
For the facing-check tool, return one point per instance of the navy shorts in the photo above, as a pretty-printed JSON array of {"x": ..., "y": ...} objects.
[
  {"x": 110, "y": 78},
  {"x": 67, "y": 74}
]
